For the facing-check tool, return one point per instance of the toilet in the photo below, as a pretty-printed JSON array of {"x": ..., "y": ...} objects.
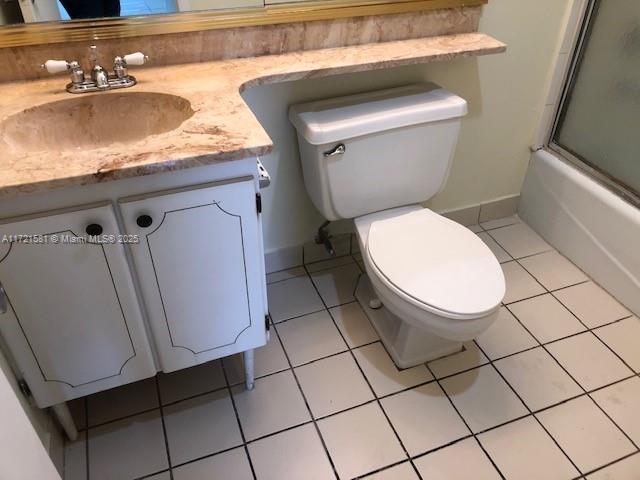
[{"x": 431, "y": 284}]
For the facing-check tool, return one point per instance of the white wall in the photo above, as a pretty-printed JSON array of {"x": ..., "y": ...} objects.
[
  {"x": 504, "y": 93},
  {"x": 26, "y": 425}
]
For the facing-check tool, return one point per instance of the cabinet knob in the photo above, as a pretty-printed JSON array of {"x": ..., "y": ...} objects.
[
  {"x": 93, "y": 229},
  {"x": 144, "y": 221}
]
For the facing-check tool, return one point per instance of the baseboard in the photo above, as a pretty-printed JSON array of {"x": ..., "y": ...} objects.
[
  {"x": 345, "y": 243},
  {"x": 484, "y": 212},
  {"x": 283, "y": 258},
  {"x": 290, "y": 257}
]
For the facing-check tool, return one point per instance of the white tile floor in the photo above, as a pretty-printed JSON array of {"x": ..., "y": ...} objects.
[{"x": 550, "y": 391}]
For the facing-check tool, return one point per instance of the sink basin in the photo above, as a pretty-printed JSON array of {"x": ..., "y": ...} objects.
[{"x": 93, "y": 121}]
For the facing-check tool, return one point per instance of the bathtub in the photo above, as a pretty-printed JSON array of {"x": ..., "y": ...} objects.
[{"x": 586, "y": 222}]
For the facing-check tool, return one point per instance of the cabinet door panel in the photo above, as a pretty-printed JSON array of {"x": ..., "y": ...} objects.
[
  {"x": 73, "y": 322},
  {"x": 199, "y": 268},
  {"x": 180, "y": 260}
]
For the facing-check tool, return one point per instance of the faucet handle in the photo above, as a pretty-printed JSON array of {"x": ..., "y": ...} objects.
[
  {"x": 59, "y": 66},
  {"x": 137, "y": 58},
  {"x": 55, "y": 66}
]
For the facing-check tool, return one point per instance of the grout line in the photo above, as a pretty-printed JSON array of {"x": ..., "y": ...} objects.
[
  {"x": 278, "y": 432},
  {"x": 86, "y": 436},
  {"x": 335, "y": 354},
  {"x": 555, "y": 290},
  {"x": 324, "y": 269},
  {"x": 497, "y": 370},
  {"x": 241, "y": 382},
  {"x": 539, "y": 343},
  {"x": 312, "y": 263},
  {"x": 531, "y": 255},
  {"x": 209, "y": 455},
  {"x": 629, "y": 455},
  {"x": 466, "y": 424},
  {"x": 353, "y": 357},
  {"x": 306, "y": 402},
  {"x": 466, "y": 370},
  {"x": 164, "y": 427},
  {"x": 230, "y": 385},
  {"x": 191, "y": 397},
  {"x": 235, "y": 410},
  {"x": 484, "y": 232},
  {"x": 546, "y": 292},
  {"x": 599, "y": 327},
  {"x": 502, "y": 424},
  {"x": 150, "y": 475},
  {"x": 293, "y": 277},
  {"x": 385, "y": 468},
  {"x": 589, "y": 330},
  {"x": 382, "y": 397},
  {"x": 516, "y": 221},
  {"x": 540, "y": 409},
  {"x": 315, "y": 360},
  {"x": 359, "y": 346},
  {"x": 587, "y": 393},
  {"x": 378, "y": 398},
  {"x": 130, "y": 415},
  {"x": 448, "y": 444},
  {"x": 311, "y": 313},
  {"x": 489, "y": 361},
  {"x": 275, "y": 322},
  {"x": 168, "y": 404}
]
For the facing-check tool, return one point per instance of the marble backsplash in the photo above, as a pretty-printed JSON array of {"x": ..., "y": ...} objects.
[{"x": 22, "y": 63}]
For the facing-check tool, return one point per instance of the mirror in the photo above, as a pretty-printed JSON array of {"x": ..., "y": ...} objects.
[
  {"x": 30, "y": 11},
  {"x": 38, "y": 22}
]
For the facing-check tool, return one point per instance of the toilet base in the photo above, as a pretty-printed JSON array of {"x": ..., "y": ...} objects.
[{"x": 407, "y": 345}]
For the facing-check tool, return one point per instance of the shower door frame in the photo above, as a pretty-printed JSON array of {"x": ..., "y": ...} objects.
[{"x": 601, "y": 176}]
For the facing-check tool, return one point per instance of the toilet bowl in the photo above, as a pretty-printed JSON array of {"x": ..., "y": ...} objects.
[
  {"x": 439, "y": 284},
  {"x": 374, "y": 157}
]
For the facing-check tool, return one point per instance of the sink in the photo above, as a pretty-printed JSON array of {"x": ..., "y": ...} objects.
[{"x": 93, "y": 121}]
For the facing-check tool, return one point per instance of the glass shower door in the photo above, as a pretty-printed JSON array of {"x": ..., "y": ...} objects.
[{"x": 599, "y": 119}]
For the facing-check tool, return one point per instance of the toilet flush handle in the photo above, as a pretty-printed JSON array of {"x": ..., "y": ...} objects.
[{"x": 337, "y": 150}]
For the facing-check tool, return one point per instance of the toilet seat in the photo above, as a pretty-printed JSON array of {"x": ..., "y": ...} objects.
[{"x": 432, "y": 262}]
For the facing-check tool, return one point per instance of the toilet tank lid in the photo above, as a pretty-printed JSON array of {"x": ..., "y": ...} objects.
[{"x": 342, "y": 118}]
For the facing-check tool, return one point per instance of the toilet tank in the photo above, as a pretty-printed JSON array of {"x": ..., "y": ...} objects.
[{"x": 378, "y": 150}]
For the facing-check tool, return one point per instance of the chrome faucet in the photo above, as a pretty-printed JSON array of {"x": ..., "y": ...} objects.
[
  {"x": 98, "y": 74},
  {"x": 99, "y": 79}
]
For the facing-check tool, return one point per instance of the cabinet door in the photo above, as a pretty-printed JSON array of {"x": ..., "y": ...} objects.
[
  {"x": 199, "y": 264},
  {"x": 72, "y": 323}
]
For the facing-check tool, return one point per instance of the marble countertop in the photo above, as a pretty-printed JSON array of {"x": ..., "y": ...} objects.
[{"x": 222, "y": 128}]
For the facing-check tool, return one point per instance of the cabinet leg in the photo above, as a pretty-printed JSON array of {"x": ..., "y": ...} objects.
[
  {"x": 248, "y": 369},
  {"x": 63, "y": 415}
]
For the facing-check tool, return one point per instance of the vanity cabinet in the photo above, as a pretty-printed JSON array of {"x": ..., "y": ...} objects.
[
  {"x": 107, "y": 294},
  {"x": 200, "y": 265},
  {"x": 71, "y": 320}
]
